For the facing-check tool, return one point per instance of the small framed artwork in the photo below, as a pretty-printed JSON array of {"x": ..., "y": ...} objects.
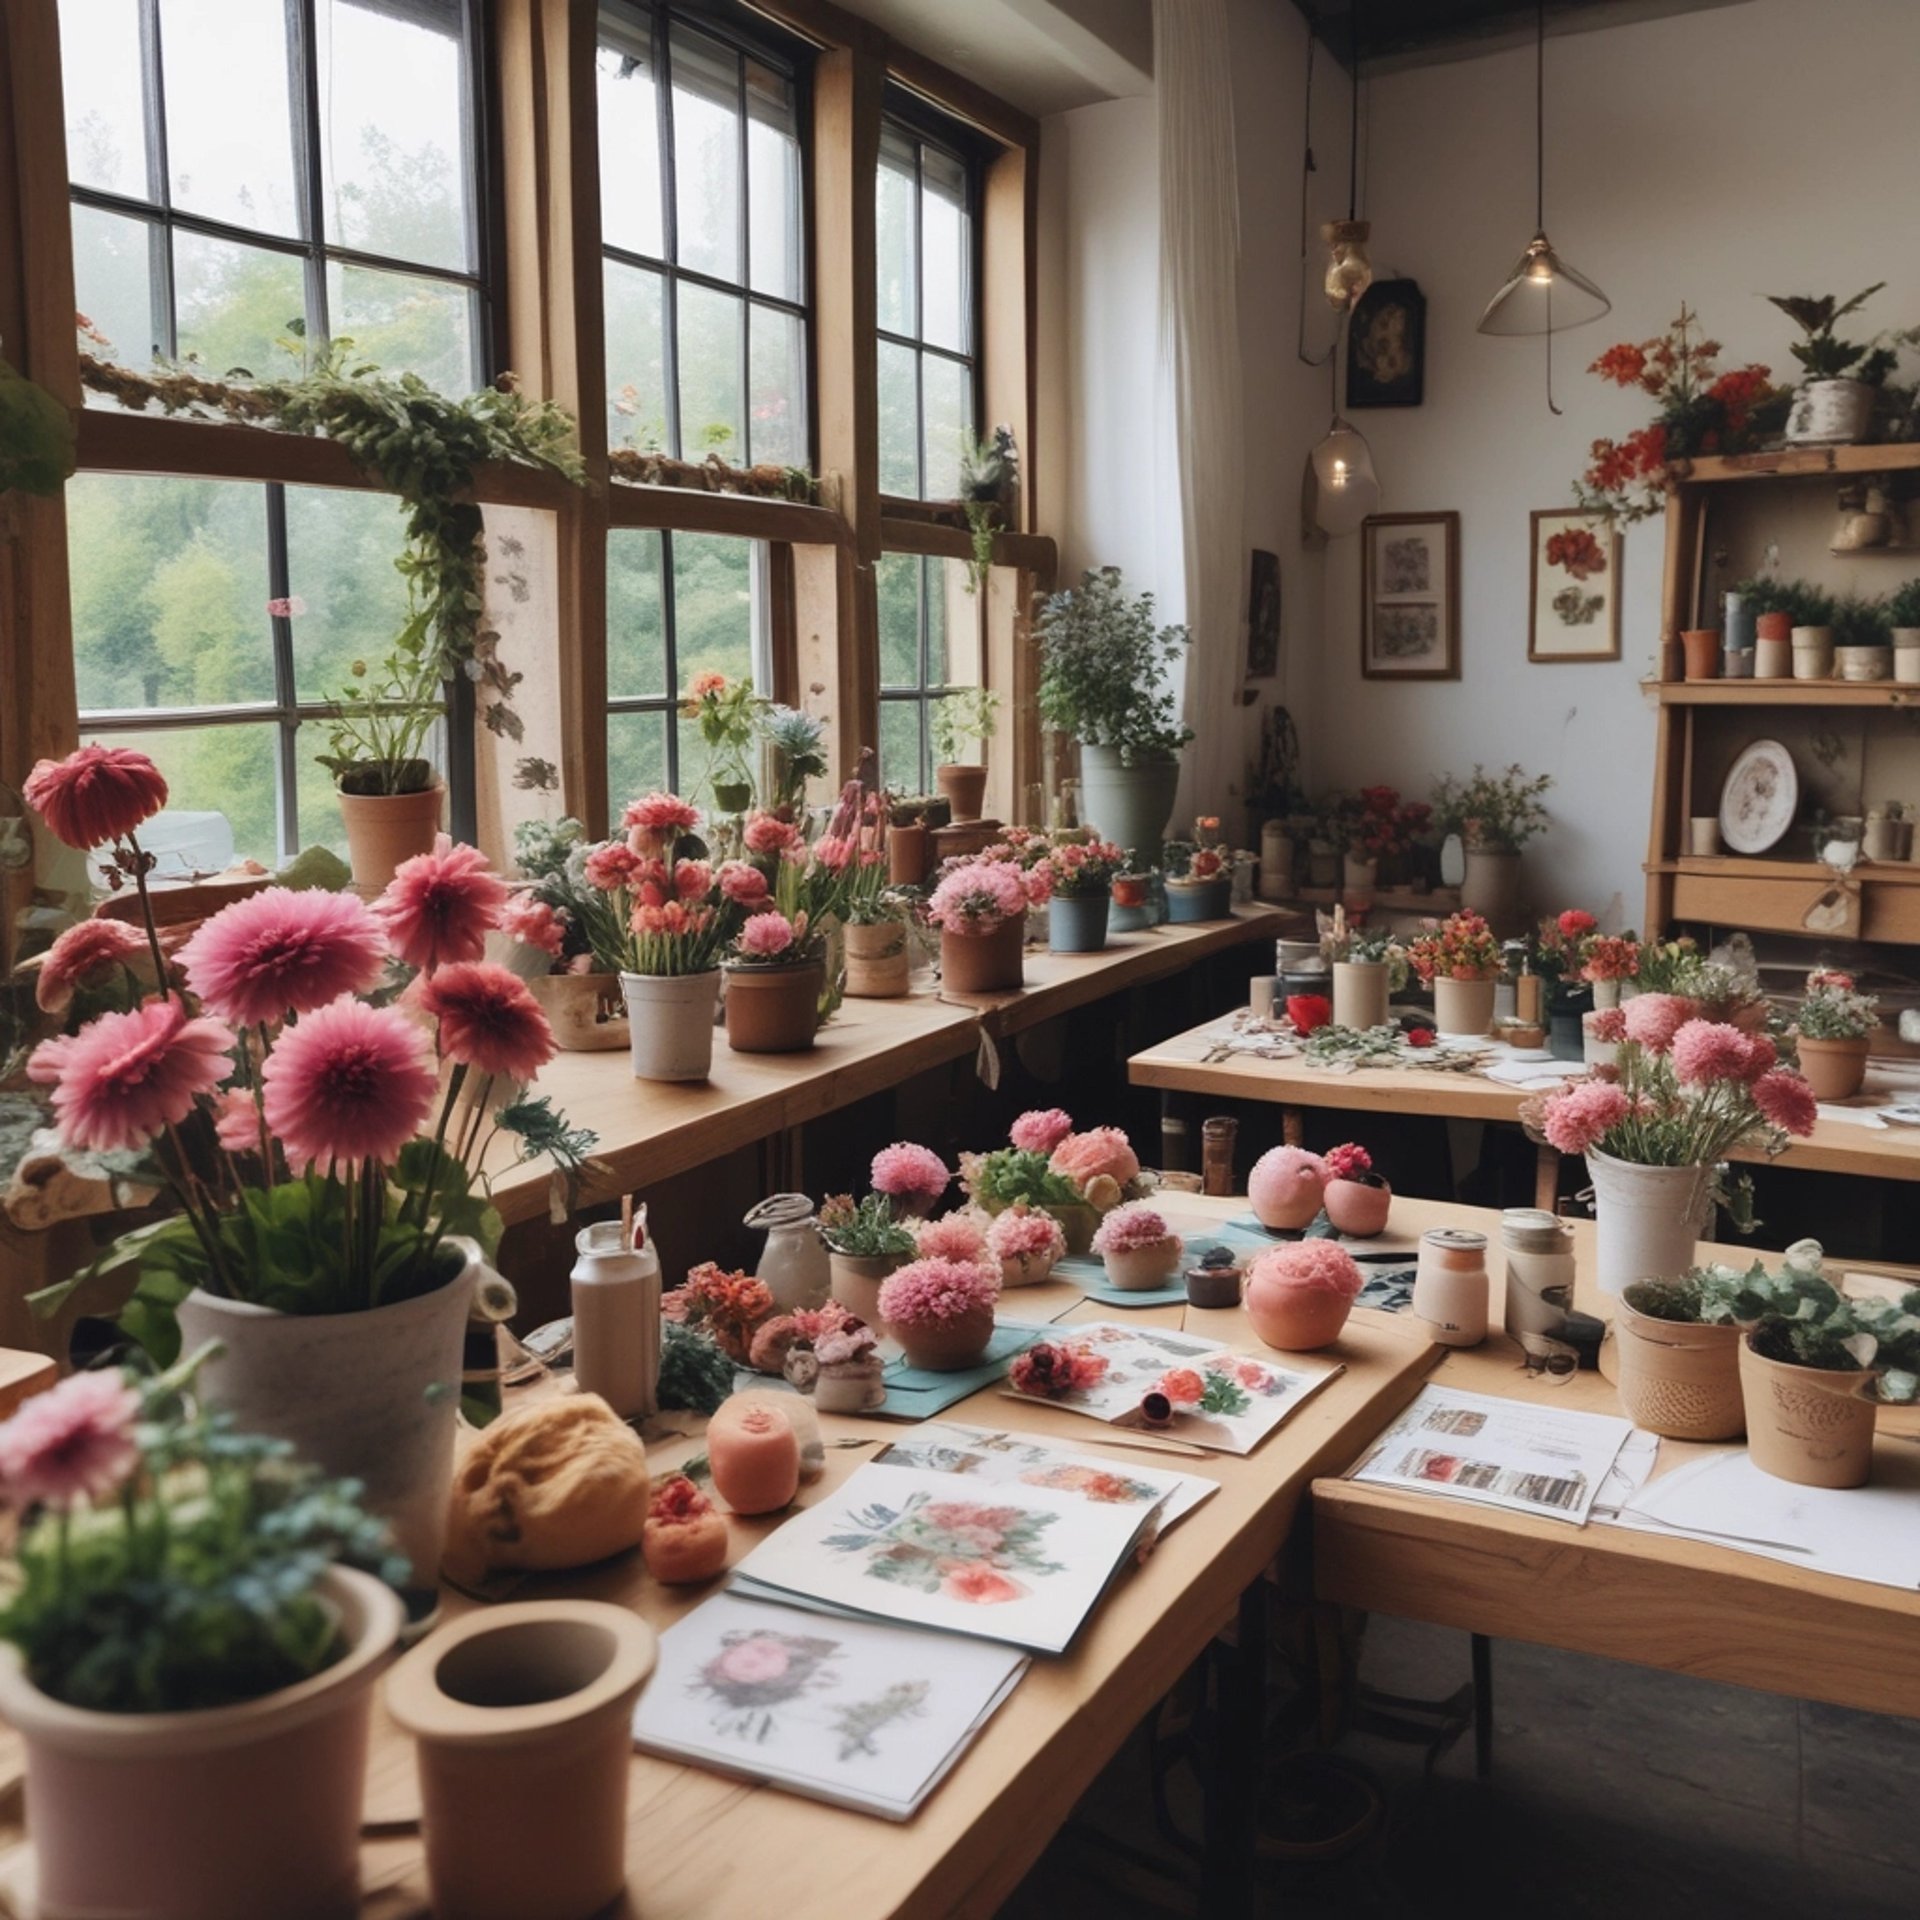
[
  {"x": 1410, "y": 596},
  {"x": 1573, "y": 610},
  {"x": 1263, "y": 617},
  {"x": 1387, "y": 346}
]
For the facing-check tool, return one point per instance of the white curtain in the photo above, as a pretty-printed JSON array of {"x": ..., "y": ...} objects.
[{"x": 1200, "y": 338}]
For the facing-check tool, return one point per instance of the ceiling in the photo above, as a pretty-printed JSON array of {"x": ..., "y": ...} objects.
[{"x": 1416, "y": 33}]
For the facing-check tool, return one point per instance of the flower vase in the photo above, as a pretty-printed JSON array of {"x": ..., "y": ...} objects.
[
  {"x": 1678, "y": 1378},
  {"x": 856, "y": 1280},
  {"x": 670, "y": 1023},
  {"x": 774, "y": 1009},
  {"x": 794, "y": 1266},
  {"x": 1606, "y": 993},
  {"x": 1142, "y": 1269},
  {"x": 851, "y": 1386},
  {"x": 1492, "y": 885},
  {"x": 1077, "y": 923},
  {"x": 879, "y": 966},
  {"x": 1649, "y": 1219},
  {"x": 909, "y": 851},
  {"x": 1463, "y": 1008}
]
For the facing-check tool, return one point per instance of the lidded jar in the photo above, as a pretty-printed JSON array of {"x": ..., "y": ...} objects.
[
  {"x": 794, "y": 1267},
  {"x": 1538, "y": 1249},
  {"x": 1450, "y": 1286}
]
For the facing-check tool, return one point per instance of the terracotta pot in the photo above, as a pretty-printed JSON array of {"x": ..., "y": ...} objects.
[
  {"x": 946, "y": 1346},
  {"x": 1773, "y": 626},
  {"x": 1678, "y": 1378},
  {"x": 984, "y": 962},
  {"x": 857, "y": 1280},
  {"x": 1286, "y": 1188},
  {"x": 228, "y": 1813},
  {"x": 1357, "y": 1207},
  {"x": 1806, "y": 1424},
  {"x": 587, "y": 1011},
  {"x": 523, "y": 1718},
  {"x": 670, "y": 1023},
  {"x": 965, "y": 788},
  {"x": 851, "y": 1386},
  {"x": 1492, "y": 885},
  {"x": 1360, "y": 990},
  {"x": 1291, "y": 1317},
  {"x": 1463, "y": 1007},
  {"x": 1701, "y": 648},
  {"x": 879, "y": 966},
  {"x": 774, "y": 1009},
  {"x": 1141, "y": 1269},
  {"x": 384, "y": 829},
  {"x": 907, "y": 852},
  {"x": 1834, "y": 1069}
]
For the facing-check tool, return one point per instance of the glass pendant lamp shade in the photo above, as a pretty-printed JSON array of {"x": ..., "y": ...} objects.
[
  {"x": 1345, "y": 488},
  {"x": 1543, "y": 295}
]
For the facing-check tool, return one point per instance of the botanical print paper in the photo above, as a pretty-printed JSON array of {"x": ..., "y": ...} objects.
[
  {"x": 1223, "y": 1399},
  {"x": 1008, "y": 1561},
  {"x": 866, "y": 1715}
]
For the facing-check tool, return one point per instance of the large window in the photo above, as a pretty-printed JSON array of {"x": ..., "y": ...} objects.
[
  {"x": 929, "y": 311},
  {"x": 247, "y": 170},
  {"x": 704, "y": 242},
  {"x": 929, "y": 645}
]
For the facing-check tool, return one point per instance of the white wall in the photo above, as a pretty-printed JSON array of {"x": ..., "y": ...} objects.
[{"x": 1713, "y": 157}]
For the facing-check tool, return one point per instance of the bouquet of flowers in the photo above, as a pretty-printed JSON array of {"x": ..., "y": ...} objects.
[
  {"x": 1559, "y": 944},
  {"x": 667, "y": 910},
  {"x": 1461, "y": 947},
  {"x": 1080, "y": 869},
  {"x": 1609, "y": 956},
  {"x": 1047, "y": 1164},
  {"x": 1833, "y": 1009}
]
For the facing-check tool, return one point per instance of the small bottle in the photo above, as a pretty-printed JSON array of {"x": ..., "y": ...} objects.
[
  {"x": 1217, "y": 1139},
  {"x": 616, "y": 1317},
  {"x": 1173, "y": 1143},
  {"x": 1450, "y": 1286}
]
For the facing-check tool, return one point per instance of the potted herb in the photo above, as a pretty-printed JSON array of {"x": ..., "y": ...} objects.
[
  {"x": 1862, "y": 638},
  {"x": 962, "y": 721},
  {"x": 1808, "y": 1396},
  {"x": 390, "y": 796},
  {"x": 1832, "y": 1033},
  {"x": 1903, "y": 619},
  {"x": 1081, "y": 890},
  {"x": 188, "y": 1664},
  {"x": 989, "y": 478},
  {"x": 865, "y": 1242},
  {"x": 941, "y": 1312},
  {"x": 1777, "y": 607},
  {"x": 728, "y": 718},
  {"x": 874, "y": 933},
  {"x": 1103, "y": 678},
  {"x": 980, "y": 907},
  {"x": 1835, "y": 401},
  {"x": 1461, "y": 961},
  {"x": 1812, "y": 635},
  {"x": 560, "y": 923},
  {"x": 1495, "y": 815},
  {"x": 1199, "y": 883},
  {"x": 1369, "y": 966}
]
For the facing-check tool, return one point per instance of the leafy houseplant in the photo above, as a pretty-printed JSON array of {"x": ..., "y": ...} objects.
[
  {"x": 962, "y": 722},
  {"x": 1835, "y": 399},
  {"x": 865, "y": 1241},
  {"x": 36, "y": 433},
  {"x": 1832, "y": 1033},
  {"x": 728, "y": 717},
  {"x": 797, "y": 743},
  {"x": 989, "y": 474},
  {"x": 390, "y": 799},
  {"x": 1495, "y": 815},
  {"x": 1862, "y": 638}
]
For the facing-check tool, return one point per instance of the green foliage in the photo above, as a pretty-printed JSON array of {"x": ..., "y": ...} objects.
[
  {"x": 1860, "y": 622},
  {"x": 695, "y": 1376},
  {"x": 1500, "y": 810},
  {"x": 1806, "y": 606},
  {"x": 798, "y": 743},
  {"x": 962, "y": 720},
  {"x": 1903, "y": 605},
  {"x": 376, "y": 738},
  {"x": 864, "y": 1230},
  {"x": 999, "y": 1179},
  {"x": 989, "y": 472},
  {"x": 1822, "y": 356},
  {"x": 1103, "y": 669},
  {"x": 36, "y": 437}
]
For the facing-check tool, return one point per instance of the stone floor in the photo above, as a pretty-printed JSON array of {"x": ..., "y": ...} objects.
[{"x": 1616, "y": 1791}]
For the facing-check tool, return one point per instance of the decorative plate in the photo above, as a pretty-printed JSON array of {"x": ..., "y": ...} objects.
[{"x": 1758, "y": 801}]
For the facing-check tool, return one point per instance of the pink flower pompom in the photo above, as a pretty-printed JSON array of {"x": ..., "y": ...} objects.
[
  {"x": 350, "y": 1083},
  {"x": 96, "y": 794},
  {"x": 1578, "y": 1118},
  {"x": 128, "y": 1076},
  {"x": 1787, "y": 1101},
  {"x": 1038, "y": 881},
  {"x": 977, "y": 897},
  {"x": 954, "y": 1236},
  {"x": 660, "y": 814},
  {"x": 1762, "y": 1055},
  {"x": 693, "y": 879},
  {"x": 1127, "y": 1229},
  {"x": 1654, "y": 1018},
  {"x": 1607, "y": 1024},
  {"x": 440, "y": 906},
  {"x": 1022, "y": 1234},
  {"x": 938, "y": 1292},
  {"x": 281, "y": 952},
  {"x": 906, "y": 1168},
  {"x": 488, "y": 1020},
  {"x": 534, "y": 924},
  {"x": 743, "y": 883},
  {"x": 767, "y": 834},
  {"x": 73, "y": 1442},
  {"x": 1309, "y": 1263},
  {"x": 1345, "y": 1162},
  {"x": 1082, "y": 1157},
  {"x": 765, "y": 935},
  {"x": 613, "y": 866},
  {"x": 1706, "y": 1052},
  {"x": 1040, "y": 1129},
  {"x": 81, "y": 956}
]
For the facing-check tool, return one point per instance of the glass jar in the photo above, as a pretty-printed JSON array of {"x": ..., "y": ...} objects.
[{"x": 1450, "y": 1286}]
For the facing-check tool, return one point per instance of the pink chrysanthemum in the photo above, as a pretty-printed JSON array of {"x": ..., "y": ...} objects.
[
  {"x": 128, "y": 1076},
  {"x": 1100, "y": 1150},
  {"x": 81, "y": 956},
  {"x": 743, "y": 883},
  {"x": 612, "y": 866},
  {"x": 1022, "y": 1234},
  {"x": 938, "y": 1292},
  {"x": 48, "y": 1060},
  {"x": 1579, "y": 1117},
  {"x": 766, "y": 833},
  {"x": 282, "y": 952},
  {"x": 439, "y": 906},
  {"x": 1040, "y": 1129},
  {"x": 1787, "y": 1101},
  {"x": 954, "y": 1236},
  {"x": 1607, "y": 1024},
  {"x": 488, "y": 1020},
  {"x": 96, "y": 794},
  {"x": 764, "y": 936},
  {"x": 1706, "y": 1052},
  {"x": 660, "y": 814},
  {"x": 906, "y": 1167},
  {"x": 73, "y": 1442},
  {"x": 693, "y": 879},
  {"x": 350, "y": 1083},
  {"x": 977, "y": 897},
  {"x": 1129, "y": 1228},
  {"x": 1762, "y": 1055},
  {"x": 1309, "y": 1263},
  {"x": 1654, "y": 1018},
  {"x": 534, "y": 924}
]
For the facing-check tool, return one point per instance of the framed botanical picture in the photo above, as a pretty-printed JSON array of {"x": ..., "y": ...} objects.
[
  {"x": 1410, "y": 596},
  {"x": 1387, "y": 346},
  {"x": 1573, "y": 600},
  {"x": 1263, "y": 617}
]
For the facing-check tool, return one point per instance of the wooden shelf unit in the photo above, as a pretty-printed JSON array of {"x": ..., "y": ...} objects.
[{"x": 1784, "y": 693}]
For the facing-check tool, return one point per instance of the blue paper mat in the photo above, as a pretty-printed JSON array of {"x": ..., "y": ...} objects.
[
  {"x": 917, "y": 1393},
  {"x": 1088, "y": 1271}
]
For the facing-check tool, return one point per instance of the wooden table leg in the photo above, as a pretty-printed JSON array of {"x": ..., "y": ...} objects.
[
  {"x": 1546, "y": 1179},
  {"x": 1293, "y": 1126}
]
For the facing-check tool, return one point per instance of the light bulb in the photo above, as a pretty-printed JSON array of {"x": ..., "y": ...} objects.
[{"x": 1342, "y": 469}]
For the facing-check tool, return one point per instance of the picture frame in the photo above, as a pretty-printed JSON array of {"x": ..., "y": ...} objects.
[
  {"x": 1263, "y": 616},
  {"x": 1410, "y": 596},
  {"x": 1573, "y": 587},
  {"x": 1387, "y": 347}
]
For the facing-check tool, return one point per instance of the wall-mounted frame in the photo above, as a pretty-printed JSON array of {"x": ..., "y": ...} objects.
[
  {"x": 1263, "y": 616},
  {"x": 1410, "y": 596},
  {"x": 1387, "y": 347},
  {"x": 1573, "y": 587}
]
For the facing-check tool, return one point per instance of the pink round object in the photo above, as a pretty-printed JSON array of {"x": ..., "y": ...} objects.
[
  {"x": 1358, "y": 1208},
  {"x": 1285, "y": 1187},
  {"x": 1298, "y": 1297}
]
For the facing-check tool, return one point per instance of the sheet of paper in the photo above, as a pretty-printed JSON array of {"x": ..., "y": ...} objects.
[
  {"x": 864, "y": 1715},
  {"x": 1516, "y": 1454}
]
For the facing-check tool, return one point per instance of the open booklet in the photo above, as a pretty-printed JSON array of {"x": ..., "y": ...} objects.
[{"x": 851, "y": 1711}]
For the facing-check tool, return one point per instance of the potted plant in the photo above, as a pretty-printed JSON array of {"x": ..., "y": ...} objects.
[
  {"x": 775, "y": 976},
  {"x": 559, "y": 922},
  {"x": 1808, "y": 1400},
  {"x": 796, "y": 745},
  {"x": 1199, "y": 884},
  {"x": 1903, "y": 620},
  {"x": 989, "y": 476},
  {"x": 1140, "y": 1250},
  {"x": 187, "y": 1662},
  {"x": 1832, "y": 1033},
  {"x": 874, "y": 935},
  {"x": 962, "y": 721},
  {"x": 913, "y": 1177},
  {"x": 1777, "y": 607},
  {"x": 911, "y": 824},
  {"x": 1076, "y": 1177},
  {"x": 1555, "y": 956},
  {"x": 1862, "y": 638},
  {"x": 852, "y": 1375},
  {"x": 1103, "y": 668},
  {"x": 941, "y": 1312},
  {"x": 1369, "y": 965},
  {"x": 1298, "y": 1297},
  {"x": 1461, "y": 961},
  {"x": 1495, "y": 815},
  {"x": 1081, "y": 877},
  {"x": 728, "y": 718},
  {"x": 1356, "y": 1198},
  {"x": 1688, "y": 1090},
  {"x": 390, "y": 796},
  {"x": 980, "y": 907},
  {"x": 1835, "y": 400},
  {"x": 1027, "y": 1243},
  {"x": 865, "y": 1243}
]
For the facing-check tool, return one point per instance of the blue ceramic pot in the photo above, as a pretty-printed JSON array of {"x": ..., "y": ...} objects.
[
  {"x": 1078, "y": 924},
  {"x": 1205, "y": 900}
]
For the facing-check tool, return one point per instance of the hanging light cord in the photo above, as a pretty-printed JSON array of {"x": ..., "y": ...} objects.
[
  {"x": 1307, "y": 170},
  {"x": 1540, "y": 173},
  {"x": 1353, "y": 114}
]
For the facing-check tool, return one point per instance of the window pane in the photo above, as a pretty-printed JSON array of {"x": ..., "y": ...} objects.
[
  {"x": 229, "y": 139},
  {"x": 948, "y": 397},
  {"x": 169, "y": 585},
  {"x": 636, "y": 756},
  {"x": 349, "y": 601},
  {"x": 113, "y": 282},
  {"x": 106, "y": 113},
  {"x": 899, "y": 421},
  {"x": 636, "y": 634},
  {"x": 710, "y": 400},
  {"x": 392, "y": 144},
  {"x": 406, "y": 324},
  {"x": 706, "y": 153},
  {"x": 318, "y": 823},
  {"x": 224, "y": 775},
  {"x": 636, "y": 362},
  {"x": 629, "y": 142},
  {"x": 778, "y": 397},
  {"x": 900, "y": 752},
  {"x": 954, "y": 616},
  {"x": 896, "y": 578},
  {"x": 712, "y": 607},
  {"x": 233, "y": 304},
  {"x": 773, "y": 184},
  {"x": 945, "y": 244},
  {"x": 894, "y": 233}
]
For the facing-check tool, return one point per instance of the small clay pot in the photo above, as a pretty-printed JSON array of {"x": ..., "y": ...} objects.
[
  {"x": 773, "y": 1009},
  {"x": 858, "y": 1278},
  {"x": 945, "y": 1346},
  {"x": 1141, "y": 1269},
  {"x": 385, "y": 830},
  {"x": 1292, "y": 1317},
  {"x": 984, "y": 962},
  {"x": 909, "y": 850},
  {"x": 965, "y": 788},
  {"x": 1834, "y": 1069},
  {"x": 1678, "y": 1378},
  {"x": 1358, "y": 1207},
  {"x": 1809, "y": 1425},
  {"x": 1286, "y": 1188},
  {"x": 851, "y": 1386},
  {"x": 1701, "y": 649}
]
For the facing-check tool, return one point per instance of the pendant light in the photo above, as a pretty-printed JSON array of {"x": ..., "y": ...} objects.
[{"x": 1342, "y": 484}]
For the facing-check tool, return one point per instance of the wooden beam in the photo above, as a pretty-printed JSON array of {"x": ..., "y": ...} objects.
[
  {"x": 691, "y": 510},
  {"x": 1009, "y": 215},
  {"x": 903, "y": 534}
]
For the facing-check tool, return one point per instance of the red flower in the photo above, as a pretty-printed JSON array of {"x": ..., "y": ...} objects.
[
  {"x": 1624, "y": 365},
  {"x": 96, "y": 794},
  {"x": 488, "y": 1020},
  {"x": 1420, "y": 1037},
  {"x": 1309, "y": 1012},
  {"x": 1575, "y": 923},
  {"x": 1578, "y": 551}
]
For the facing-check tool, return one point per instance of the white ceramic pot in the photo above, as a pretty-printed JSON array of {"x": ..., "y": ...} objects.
[
  {"x": 794, "y": 1266},
  {"x": 1463, "y": 1007},
  {"x": 1606, "y": 993},
  {"x": 670, "y": 1023},
  {"x": 1772, "y": 659},
  {"x": 1648, "y": 1219},
  {"x": 1831, "y": 413},
  {"x": 1863, "y": 663},
  {"x": 228, "y": 1813},
  {"x": 365, "y": 1396},
  {"x": 1906, "y": 656}
]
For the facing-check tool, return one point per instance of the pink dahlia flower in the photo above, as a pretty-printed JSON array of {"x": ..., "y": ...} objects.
[
  {"x": 534, "y": 924},
  {"x": 907, "y": 1168},
  {"x": 350, "y": 1083},
  {"x": 1787, "y": 1101},
  {"x": 767, "y": 833},
  {"x": 1580, "y": 1117},
  {"x": 236, "y": 1121},
  {"x": 81, "y": 956},
  {"x": 693, "y": 879},
  {"x": 954, "y": 1236},
  {"x": 937, "y": 1291},
  {"x": 1022, "y": 1234},
  {"x": 1100, "y": 1150},
  {"x": 1706, "y": 1052},
  {"x": 1309, "y": 1263},
  {"x": 282, "y": 952},
  {"x": 1040, "y": 1129},
  {"x": 977, "y": 897},
  {"x": 764, "y": 936},
  {"x": 96, "y": 794},
  {"x": 743, "y": 883},
  {"x": 612, "y": 866},
  {"x": 73, "y": 1442},
  {"x": 488, "y": 1020},
  {"x": 128, "y": 1076},
  {"x": 1127, "y": 1229},
  {"x": 1654, "y": 1018},
  {"x": 660, "y": 814},
  {"x": 440, "y": 906}
]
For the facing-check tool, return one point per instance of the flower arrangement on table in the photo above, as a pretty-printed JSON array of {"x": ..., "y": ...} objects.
[
  {"x": 1493, "y": 812},
  {"x": 961, "y": 1236},
  {"x": 779, "y": 1337},
  {"x": 1355, "y": 943},
  {"x": 1191, "y": 866},
  {"x": 941, "y": 1311},
  {"x": 864, "y": 1230},
  {"x": 978, "y": 896},
  {"x": 1833, "y": 1008},
  {"x": 1052, "y": 1369},
  {"x": 724, "y": 1304},
  {"x": 1026, "y": 1243},
  {"x": 1081, "y": 869},
  {"x": 1076, "y": 1176},
  {"x": 1378, "y": 825},
  {"x": 1132, "y": 1228},
  {"x": 802, "y": 889},
  {"x": 727, "y": 715},
  {"x": 667, "y": 912},
  {"x": 913, "y": 1177},
  {"x": 1609, "y": 958},
  {"x": 1461, "y": 947}
]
